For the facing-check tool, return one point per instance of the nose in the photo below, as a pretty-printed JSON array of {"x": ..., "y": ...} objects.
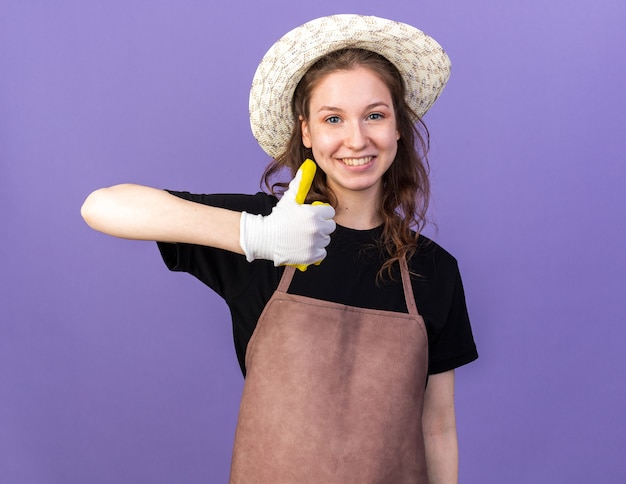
[{"x": 356, "y": 137}]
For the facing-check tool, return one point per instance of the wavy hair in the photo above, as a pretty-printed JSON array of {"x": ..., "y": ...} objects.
[{"x": 406, "y": 192}]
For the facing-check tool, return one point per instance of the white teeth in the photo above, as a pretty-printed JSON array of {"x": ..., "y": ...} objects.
[{"x": 356, "y": 161}]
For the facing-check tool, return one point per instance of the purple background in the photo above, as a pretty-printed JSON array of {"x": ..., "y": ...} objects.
[{"x": 113, "y": 370}]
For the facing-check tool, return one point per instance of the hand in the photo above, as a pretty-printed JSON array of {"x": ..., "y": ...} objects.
[{"x": 294, "y": 233}]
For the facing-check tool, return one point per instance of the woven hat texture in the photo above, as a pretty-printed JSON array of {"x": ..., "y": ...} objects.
[{"x": 421, "y": 61}]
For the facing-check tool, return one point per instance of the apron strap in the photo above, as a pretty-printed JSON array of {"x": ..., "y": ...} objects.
[
  {"x": 285, "y": 280},
  {"x": 409, "y": 297}
]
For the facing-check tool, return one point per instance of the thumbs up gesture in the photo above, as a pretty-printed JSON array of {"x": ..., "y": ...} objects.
[{"x": 294, "y": 233}]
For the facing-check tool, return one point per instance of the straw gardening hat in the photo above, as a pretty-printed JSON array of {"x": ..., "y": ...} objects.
[{"x": 421, "y": 61}]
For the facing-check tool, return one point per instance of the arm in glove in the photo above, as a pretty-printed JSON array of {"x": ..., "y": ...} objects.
[{"x": 294, "y": 233}]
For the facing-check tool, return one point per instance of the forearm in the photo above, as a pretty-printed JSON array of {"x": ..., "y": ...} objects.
[
  {"x": 144, "y": 213},
  {"x": 439, "y": 427},
  {"x": 442, "y": 456}
]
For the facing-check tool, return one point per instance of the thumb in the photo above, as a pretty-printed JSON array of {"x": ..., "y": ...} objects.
[{"x": 301, "y": 184}]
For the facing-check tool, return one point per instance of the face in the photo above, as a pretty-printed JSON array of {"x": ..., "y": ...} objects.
[{"x": 352, "y": 130}]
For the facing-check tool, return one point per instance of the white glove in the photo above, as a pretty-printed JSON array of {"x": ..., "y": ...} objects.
[{"x": 293, "y": 234}]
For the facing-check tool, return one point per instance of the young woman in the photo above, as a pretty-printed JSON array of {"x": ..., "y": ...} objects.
[{"x": 345, "y": 380}]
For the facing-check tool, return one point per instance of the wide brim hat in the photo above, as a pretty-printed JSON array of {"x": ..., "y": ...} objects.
[{"x": 421, "y": 61}]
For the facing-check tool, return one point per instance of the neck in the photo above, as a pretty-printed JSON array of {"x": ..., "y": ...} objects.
[{"x": 358, "y": 210}]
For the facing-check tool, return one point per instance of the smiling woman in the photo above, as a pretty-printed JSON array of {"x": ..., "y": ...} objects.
[
  {"x": 346, "y": 380},
  {"x": 353, "y": 136},
  {"x": 404, "y": 200}
]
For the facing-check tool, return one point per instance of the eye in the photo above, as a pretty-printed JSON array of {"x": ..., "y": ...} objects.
[
  {"x": 333, "y": 119},
  {"x": 375, "y": 116}
]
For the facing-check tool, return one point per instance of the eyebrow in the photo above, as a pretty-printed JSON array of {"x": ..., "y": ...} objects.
[{"x": 369, "y": 106}]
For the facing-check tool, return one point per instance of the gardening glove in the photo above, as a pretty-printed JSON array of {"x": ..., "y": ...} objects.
[{"x": 294, "y": 233}]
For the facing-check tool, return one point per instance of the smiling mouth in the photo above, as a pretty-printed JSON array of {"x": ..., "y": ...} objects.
[{"x": 357, "y": 161}]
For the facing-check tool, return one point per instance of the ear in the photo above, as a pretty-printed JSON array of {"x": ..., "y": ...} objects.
[{"x": 306, "y": 135}]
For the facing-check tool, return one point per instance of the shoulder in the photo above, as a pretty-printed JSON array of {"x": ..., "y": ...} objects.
[
  {"x": 259, "y": 203},
  {"x": 432, "y": 261}
]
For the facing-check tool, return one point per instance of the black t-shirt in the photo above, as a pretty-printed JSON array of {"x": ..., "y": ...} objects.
[{"x": 346, "y": 276}]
